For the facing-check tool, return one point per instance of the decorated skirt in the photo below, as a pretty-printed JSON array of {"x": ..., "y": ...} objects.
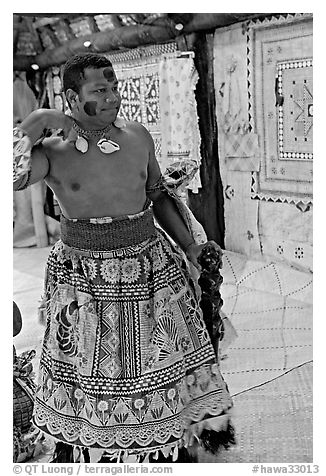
[{"x": 127, "y": 366}]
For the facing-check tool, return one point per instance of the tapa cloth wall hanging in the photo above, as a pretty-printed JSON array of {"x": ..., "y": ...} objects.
[
  {"x": 239, "y": 146},
  {"x": 280, "y": 94},
  {"x": 179, "y": 119}
]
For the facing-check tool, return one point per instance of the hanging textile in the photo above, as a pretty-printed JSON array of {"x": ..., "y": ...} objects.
[
  {"x": 280, "y": 80},
  {"x": 139, "y": 90},
  {"x": 179, "y": 120},
  {"x": 263, "y": 77}
]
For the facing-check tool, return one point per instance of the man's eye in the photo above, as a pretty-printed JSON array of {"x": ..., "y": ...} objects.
[{"x": 101, "y": 90}]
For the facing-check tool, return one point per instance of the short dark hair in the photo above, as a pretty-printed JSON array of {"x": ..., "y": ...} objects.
[{"x": 73, "y": 71}]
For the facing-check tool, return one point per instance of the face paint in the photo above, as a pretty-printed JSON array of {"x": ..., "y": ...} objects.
[
  {"x": 75, "y": 186},
  {"x": 108, "y": 73},
  {"x": 90, "y": 108}
]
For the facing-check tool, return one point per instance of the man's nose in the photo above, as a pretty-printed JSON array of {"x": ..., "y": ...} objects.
[{"x": 112, "y": 98}]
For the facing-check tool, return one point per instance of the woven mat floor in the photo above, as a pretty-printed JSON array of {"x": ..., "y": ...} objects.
[
  {"x": 273, "y": 422},
  {"x": 270, "y": 307}
]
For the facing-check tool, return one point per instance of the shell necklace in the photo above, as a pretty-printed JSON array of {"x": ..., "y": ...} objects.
[{"x": 106, "y": 145}]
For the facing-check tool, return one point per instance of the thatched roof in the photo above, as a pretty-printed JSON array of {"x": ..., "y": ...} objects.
[{"x": 50, "y": 39}]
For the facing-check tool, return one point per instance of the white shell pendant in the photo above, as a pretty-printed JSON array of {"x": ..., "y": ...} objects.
[
  {"x": 81, "y": 144},
  {"x": 107, "y": 146}
]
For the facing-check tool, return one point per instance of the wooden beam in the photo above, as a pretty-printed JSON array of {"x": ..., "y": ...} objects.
[
  {"x": 121, "y": 38},
  {"x": 206, "y": 21},
  {"x": 126, "y": 37}
]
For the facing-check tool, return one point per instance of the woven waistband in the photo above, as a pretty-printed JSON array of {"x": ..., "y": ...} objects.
[{"x": 120, "y": 232}]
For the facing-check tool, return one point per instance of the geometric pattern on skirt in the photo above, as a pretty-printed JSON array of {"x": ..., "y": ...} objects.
[{"x": 127, "y": 363}]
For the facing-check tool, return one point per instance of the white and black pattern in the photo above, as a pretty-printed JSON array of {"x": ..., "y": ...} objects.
[{"x": 127, "y": 362}]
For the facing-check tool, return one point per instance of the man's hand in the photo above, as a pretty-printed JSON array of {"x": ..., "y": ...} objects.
[
  {"x": 193, "y": 251},
  {"x": 41, "y": 119},
  {"x": 55, "y": 119}
]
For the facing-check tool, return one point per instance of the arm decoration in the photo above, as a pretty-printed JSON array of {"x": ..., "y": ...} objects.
[
  {"x": 22, "y": 147},
  {"x": 159, "y": 185},
  {"x": 170, "y": 186},
  {"x": 25, "y": 181}
]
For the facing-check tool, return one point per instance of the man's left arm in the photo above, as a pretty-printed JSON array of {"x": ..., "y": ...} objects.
[{"x": 167, "y": 213}]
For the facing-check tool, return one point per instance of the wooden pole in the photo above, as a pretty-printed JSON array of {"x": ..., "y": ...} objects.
[{"x": 208, "y": 204}]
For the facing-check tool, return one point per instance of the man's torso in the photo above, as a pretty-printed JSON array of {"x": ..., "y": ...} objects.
[{"x": 95, "y": 184}]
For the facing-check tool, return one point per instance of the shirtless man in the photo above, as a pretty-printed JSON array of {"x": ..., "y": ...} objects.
[
  {"x": 92, "y": 184},
  {"x": 120, "y": 311}
]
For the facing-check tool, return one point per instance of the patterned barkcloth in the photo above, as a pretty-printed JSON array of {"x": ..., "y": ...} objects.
[{"x": 127, "y": 364}]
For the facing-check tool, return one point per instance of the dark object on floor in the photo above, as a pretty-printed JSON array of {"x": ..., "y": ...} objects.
[
  {"x": 23, "y": 406},
  {"x": 87, "y": 458},
  {"x": 17, "y": 320},
  {"x": 63, "y": 453},
  {"x": 212, "y": 441}
]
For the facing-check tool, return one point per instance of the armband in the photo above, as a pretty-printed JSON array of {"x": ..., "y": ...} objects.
[
  {"x": 22, "y": 147},
  {"x": 159, "y": 185},
  {"x": 25, "y": 183}
]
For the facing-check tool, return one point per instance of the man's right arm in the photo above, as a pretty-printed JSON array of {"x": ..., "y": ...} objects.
[{"x": 30, "y": 162}]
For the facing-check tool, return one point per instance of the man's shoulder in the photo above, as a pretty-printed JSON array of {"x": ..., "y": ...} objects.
[
  {"x": 139, "y": 129},
  {"x": 135, "y": 125}
]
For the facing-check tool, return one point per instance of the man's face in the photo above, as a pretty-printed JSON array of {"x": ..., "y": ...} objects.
[{"x": 99, "y": 98}]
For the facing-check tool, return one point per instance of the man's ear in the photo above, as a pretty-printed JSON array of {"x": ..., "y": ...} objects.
[{"x": 71, "y": 97}]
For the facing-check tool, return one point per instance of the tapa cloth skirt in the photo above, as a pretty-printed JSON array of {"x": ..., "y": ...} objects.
[{"x": 127, "y": 364}]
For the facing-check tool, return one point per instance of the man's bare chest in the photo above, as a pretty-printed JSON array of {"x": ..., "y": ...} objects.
[{"x": 71, "y": 170}]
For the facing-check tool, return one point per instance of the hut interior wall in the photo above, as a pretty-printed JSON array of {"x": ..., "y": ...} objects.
[{"x": 263, "y": 86}]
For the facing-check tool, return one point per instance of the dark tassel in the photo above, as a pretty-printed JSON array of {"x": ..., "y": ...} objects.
[
  {"x": 185, "y": 457},
  {"x": 210, "y": 281},
  {"x": 87, "y": 458},
  {"x": 212, "y": 440},
  {"x": 107, "y": 460},
  {"x": 63, "y": 453}
]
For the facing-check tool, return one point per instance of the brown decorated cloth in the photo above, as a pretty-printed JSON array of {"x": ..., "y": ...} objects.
[{"x": 127, "y": 366}]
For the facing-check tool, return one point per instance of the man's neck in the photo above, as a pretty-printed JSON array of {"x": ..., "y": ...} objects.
[
  {"x": 90, "y": 134},
  {"x": 89, "y": 125}
]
